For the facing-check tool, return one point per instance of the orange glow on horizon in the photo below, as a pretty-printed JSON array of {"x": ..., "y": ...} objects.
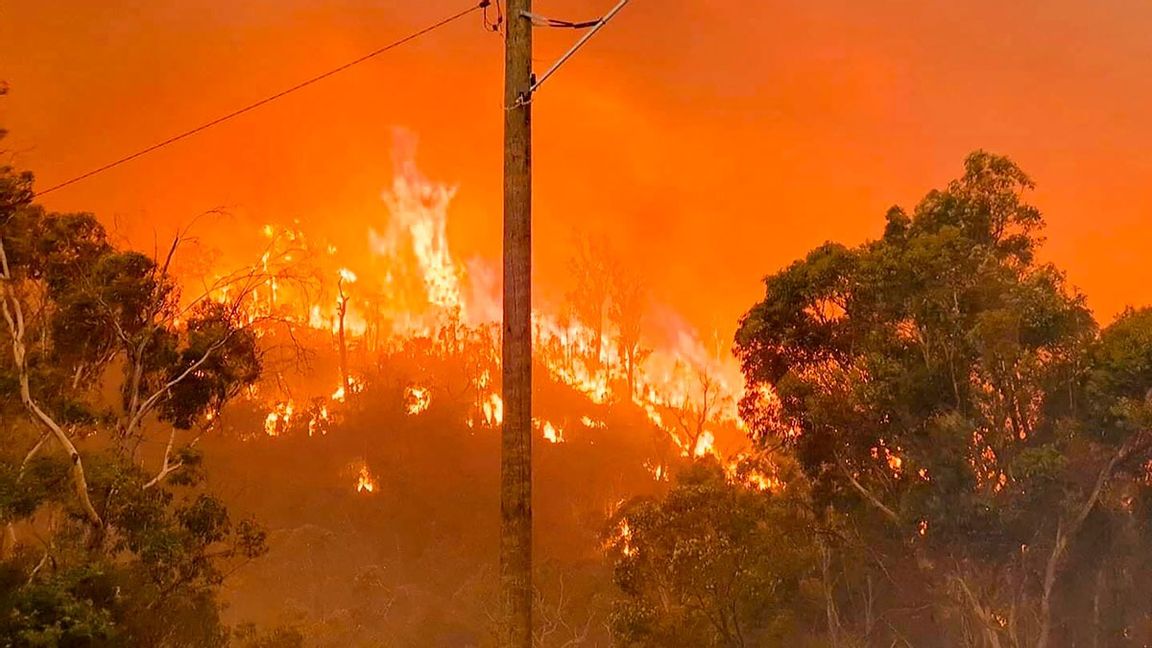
[{"x": 833, "y": 114}]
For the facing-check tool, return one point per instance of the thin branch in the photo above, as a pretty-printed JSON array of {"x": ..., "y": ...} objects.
[
  {"x": 146, "y": 407},
  {"x": 31, "y": 454},
  {"x": 166, "y": 468},
  {"x": 36, "y": 570},
  {"x": 875, "y": 501}
]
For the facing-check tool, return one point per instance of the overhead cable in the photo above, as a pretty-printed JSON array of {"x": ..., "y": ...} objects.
[
  {"x": 497, "y": 24},
  {"x": 236, "y": 113}
]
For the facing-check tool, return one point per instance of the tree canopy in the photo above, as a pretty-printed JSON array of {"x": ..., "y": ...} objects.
[
  {"x": 99, "y": 548},
  {"x": 953, "y": 401}
]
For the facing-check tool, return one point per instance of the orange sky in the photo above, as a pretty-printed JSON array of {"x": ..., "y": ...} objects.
[{"x": 715, "y": 140}]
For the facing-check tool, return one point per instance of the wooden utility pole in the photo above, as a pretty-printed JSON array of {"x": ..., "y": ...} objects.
[{"x": 516, "y": 446}]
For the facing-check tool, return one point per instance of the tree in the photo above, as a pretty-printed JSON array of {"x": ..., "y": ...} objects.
[
  {"x": 591, "y": 289},
  {"x": 607, "y": 293},
  {"x": 705, "y": 565},
  {"x": 74, "y": 306},
  {"x": 153, "y": 584},
  {"x": 697, "y": 409},
  {"x": 128, "y": 555},
  {"x": 627, "y": 302},
  {"x": 940, "y": 389}
]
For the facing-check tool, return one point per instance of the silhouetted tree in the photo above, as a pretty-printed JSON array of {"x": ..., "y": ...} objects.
[
  {"x": 628, "y": 300},
  {"x": 591, "y": 289}
]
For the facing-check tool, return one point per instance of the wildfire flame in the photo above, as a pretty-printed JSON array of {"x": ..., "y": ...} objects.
[
  {"x": 551, "y": 432},
  {"x": 414, "y": 287},
  {"x": 418, "y": 227},
  {"x": 365, "y": 482},
  {"x": 354, "y": 384},
  {"x": 417, "y": 400},
  {"x": 659, "y": 472},
  {"x": 759, "y": 481},
  {"x": 592, "y": 423},
  {"x": 279, "y": 418},
  {"x": 622, "y": 539},
  {"x": 754, "y": 473},
  {"x": 493, "y": 410},
  {"x": 705, "y": 444}
]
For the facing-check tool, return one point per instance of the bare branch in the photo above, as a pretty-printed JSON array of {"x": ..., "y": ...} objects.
[
  {"x": 869, "y": 495},
  {"x": 31, "y": 454},
  {"x": 146, "y": 407},
  {"x": 166, "y": 468},
  {"x": 39, "y": 566},
  {"x": 1065, "y": 531},
  {"x": 991, "y": 633}
]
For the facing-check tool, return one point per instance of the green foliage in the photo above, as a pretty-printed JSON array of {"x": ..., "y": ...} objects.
[
  {"x": 145, "y": 569},
  {"x": 226, "y": 359},
  {"x": 946, "y": 316},
  {"x": 950, "y": 397},
  {"x": 1119, "y": 390},
  {"x": 70, "y": 608},
  {"x": 1039, "y": 465},
  {"x": 705, "y": 565},
  {"x": 166, "y": 552},
  {"x": 20, "y": 495},
  {"x": 249, "y": 636},
  {"x": 110, "y": 305}
]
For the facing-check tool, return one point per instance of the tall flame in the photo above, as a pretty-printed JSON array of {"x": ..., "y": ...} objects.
[
  {"x": 419, "y": 289},
  {"x": 417, "y": 228}
]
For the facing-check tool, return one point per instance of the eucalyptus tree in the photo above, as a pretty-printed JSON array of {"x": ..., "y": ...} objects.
[{"x": 952, "y": 398}]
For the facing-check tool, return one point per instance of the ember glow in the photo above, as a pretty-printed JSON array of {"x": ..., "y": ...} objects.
[
  {"x": 279, "y": 418},
  {"x": 622, "y": 539},
  {"x": 417, "y": 400},
  {"x": 890, "y": 456}
]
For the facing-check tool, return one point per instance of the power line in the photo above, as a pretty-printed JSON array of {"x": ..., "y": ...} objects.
[
  {"x": 236, "y": 113},
  {"x": 496, "y": 25}
]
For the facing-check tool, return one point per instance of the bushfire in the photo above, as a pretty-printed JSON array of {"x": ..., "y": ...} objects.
[{"x": 414, "y": 288}]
